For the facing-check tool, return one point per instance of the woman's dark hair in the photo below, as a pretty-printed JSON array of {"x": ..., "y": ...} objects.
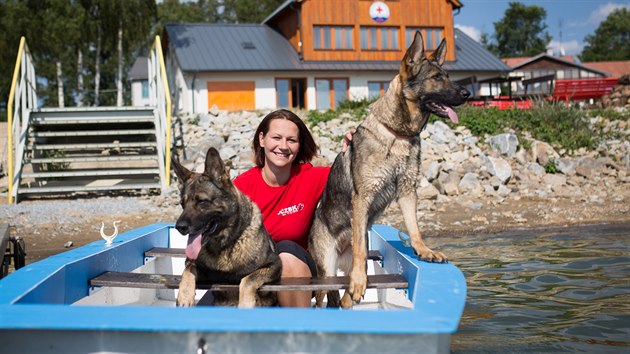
[{"x": 308, "y": 148}]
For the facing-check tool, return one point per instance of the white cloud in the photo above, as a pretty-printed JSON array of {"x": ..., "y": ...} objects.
[
  {"x": 603, "y": 11},
  {"x": 570, "y": 47},
  {"x": 471, "y": 31}
]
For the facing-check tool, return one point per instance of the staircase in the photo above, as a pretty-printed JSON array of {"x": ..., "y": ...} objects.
[
  {"x": 90, "y": 149},
  {"x": 65, "y": 151}
]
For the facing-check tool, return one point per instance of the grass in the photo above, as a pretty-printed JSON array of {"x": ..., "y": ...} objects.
[{"x": 563, "y": 127}]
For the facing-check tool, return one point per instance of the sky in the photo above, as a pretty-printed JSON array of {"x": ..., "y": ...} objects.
[{"x": 568, "y": 21}]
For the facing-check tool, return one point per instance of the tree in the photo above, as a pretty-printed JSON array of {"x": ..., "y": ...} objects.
[
  {"x": 248, "y": 11},
  {"x": 611, "y": 40},
  {"x": 521, "y": 32}
]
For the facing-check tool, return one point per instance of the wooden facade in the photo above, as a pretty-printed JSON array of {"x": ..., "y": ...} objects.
[{"x": 343, "y": 30}]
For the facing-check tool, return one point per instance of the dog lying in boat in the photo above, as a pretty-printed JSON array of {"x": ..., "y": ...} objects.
[
  {"x": 227, "y": 242},
  {"x": 381, "y": 164}
]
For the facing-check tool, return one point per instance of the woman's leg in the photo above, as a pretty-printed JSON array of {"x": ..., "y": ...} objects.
[
  {"x": 293, "y": 267},
  {"x": 296, "y": 262}
]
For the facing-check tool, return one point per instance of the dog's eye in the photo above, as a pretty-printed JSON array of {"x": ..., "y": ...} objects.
[
  {"x": 202, "y": 203},
  {"x": 438, "y": 78}
]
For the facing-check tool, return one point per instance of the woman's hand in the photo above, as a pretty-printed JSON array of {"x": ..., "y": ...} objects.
[{"x": 347, "y": 138}]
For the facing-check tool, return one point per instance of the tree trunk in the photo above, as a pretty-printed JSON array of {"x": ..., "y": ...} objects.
[
  {"x": 59, "y": 86},
  {"x": 79, "y": 78},
  {"x": 119, "y": 86},
  {"x": 97, "y": 69}
]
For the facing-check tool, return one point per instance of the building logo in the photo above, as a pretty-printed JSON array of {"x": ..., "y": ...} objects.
[{"x": 379, "y": 12}]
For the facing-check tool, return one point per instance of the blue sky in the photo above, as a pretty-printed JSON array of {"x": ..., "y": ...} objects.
[{"x": 575, "y": 18}]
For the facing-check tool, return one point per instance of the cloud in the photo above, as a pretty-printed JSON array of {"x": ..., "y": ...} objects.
[
  {"x": 471, "y": 31},
  {"x": 603, "y": 11},
  {"x": 570, "y": 47}
]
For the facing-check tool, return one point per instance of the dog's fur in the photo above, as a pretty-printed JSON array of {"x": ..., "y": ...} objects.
[
  {"x": 381, "y": 164},
  {"x": 232, "y": 245}
]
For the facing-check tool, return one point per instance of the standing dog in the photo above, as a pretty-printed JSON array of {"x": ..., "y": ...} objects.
[
  {"x": 227, "y": 242},
  {"x": 381, "y": 164}
]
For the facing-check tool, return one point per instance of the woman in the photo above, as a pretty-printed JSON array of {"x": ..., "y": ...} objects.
[{"x": 286, "y": 187}]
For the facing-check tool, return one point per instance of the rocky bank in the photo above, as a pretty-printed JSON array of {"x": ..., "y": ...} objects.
[{"x": 468, "y": 185}]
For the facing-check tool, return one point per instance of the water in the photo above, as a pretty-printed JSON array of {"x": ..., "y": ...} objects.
[{"x": 544, "y": 290}]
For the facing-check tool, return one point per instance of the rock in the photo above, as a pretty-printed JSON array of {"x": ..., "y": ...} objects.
[
  {"x": 68, "y": 244},
  {"x": 555, "y": 181},
  {"x": 566, "y": 166},
  {"x": 431, "y": 169},
  {"x": 214, "y": 110},
  {"x": 543, "y": 153},
  {"x": 428, "y": 192},
  {"x": 448, "y": 184},
  {"x": 505, "y": 144},
  {"x": 470, "y": 183},
  {"x": 499, "y": 168}
]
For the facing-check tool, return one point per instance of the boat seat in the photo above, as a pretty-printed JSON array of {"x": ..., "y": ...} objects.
[
  {"x": 167, "y": 281},
  {"x": 374, "y": 255}
]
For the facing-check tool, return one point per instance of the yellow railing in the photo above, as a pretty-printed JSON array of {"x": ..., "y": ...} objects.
[
  {"x": 22, "y": 100},
  {"x": 161, "y": 97}
]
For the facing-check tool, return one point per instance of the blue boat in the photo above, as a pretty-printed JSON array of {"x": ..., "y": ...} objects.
[{"x": 50, "y": 307}]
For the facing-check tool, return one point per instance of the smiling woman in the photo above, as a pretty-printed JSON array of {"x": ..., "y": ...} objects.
[{"x": 286, "y": 187}]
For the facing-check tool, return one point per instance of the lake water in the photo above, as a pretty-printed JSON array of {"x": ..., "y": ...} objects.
[{"x": 553, "y": 290}]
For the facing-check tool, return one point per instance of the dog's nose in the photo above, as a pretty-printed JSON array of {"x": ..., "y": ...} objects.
[
  {"x": 183, "y": 227},
  {"x": 464, "y": 93}
]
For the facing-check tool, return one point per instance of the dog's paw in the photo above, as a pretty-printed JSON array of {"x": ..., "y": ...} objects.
[
  {"x": 357, "y": 286},
  {"x": 428, "y": 255},
  {"x": 185, "y": 298},
  {"x": 346, "y": 302}
]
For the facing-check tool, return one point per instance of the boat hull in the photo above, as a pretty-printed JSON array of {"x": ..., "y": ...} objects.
[{"x": 45, "y": 308}]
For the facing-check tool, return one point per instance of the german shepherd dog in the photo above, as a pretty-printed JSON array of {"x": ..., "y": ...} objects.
[
  {"x": 381, "y": 164},
  {"x": 227, "y": 242}
]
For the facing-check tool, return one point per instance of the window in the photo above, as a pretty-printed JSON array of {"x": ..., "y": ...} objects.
[
  {"x": 282, "y": 93},
  {"x": 332, "y": 37},
  {"x": 432, "y": 36},
  {"x": 379, "y": 38},
  {"x": 329, "y": 92},
  {"x": 377, "y": 88},
  {"x": 145, "y": 88},
  {"x": 290, "y": 93}
]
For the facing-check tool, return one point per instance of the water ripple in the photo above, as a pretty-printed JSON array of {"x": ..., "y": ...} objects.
[{"x": 556, "y": 290}]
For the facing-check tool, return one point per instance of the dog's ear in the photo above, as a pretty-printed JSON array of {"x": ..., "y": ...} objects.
[
  {"x": 439, "y": 54},
  {"x": 182, "y": 172},
  {"x": 215, "y": 169},
  {"x": 414, "y": 55}
]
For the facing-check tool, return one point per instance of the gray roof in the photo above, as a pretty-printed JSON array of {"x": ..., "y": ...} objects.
[
  {"x": 542, "y": 56},
  {"x": 232, "y": 47},
  {"x": 139, "y": 70}
]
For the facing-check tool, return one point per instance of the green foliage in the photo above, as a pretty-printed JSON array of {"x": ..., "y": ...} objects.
[
  {"x": 193, "y": 121},
  {"x": 554, "y": 123},
  {"x": 351, "y": 109},
  {"x": 551, "y": 167},
  {"x": 521, "y": 32},
  {"x": 611, "y": 40},
  {"x": 54, "y": 166}
]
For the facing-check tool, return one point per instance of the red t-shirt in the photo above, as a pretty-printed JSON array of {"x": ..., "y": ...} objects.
[{"x": 287, "y": 210}]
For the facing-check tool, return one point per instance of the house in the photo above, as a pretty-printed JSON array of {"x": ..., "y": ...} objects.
[
  {"x": 537, "y": 74},
  {"x": 312, "y": 54},
  {"x": 139, "y": 78},
  {"x": 615, "y": 69}
]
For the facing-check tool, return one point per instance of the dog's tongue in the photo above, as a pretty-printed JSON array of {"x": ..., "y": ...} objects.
[
  {"x": 194, "y": 246},
  {"x": 451, "y": 114}
]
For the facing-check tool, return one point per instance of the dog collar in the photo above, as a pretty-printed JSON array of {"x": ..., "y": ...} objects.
[{"x": 397, "y": 134}]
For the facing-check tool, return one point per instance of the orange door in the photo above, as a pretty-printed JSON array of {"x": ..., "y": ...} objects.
[{"x": 231, "y": 95}]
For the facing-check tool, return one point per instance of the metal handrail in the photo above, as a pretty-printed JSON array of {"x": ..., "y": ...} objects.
[
  {"x": 161, "y": 99},
  {"x": 22, "y": 100}
]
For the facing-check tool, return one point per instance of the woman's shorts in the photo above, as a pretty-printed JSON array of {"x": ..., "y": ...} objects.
[{"x": 295, "y": 249}]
